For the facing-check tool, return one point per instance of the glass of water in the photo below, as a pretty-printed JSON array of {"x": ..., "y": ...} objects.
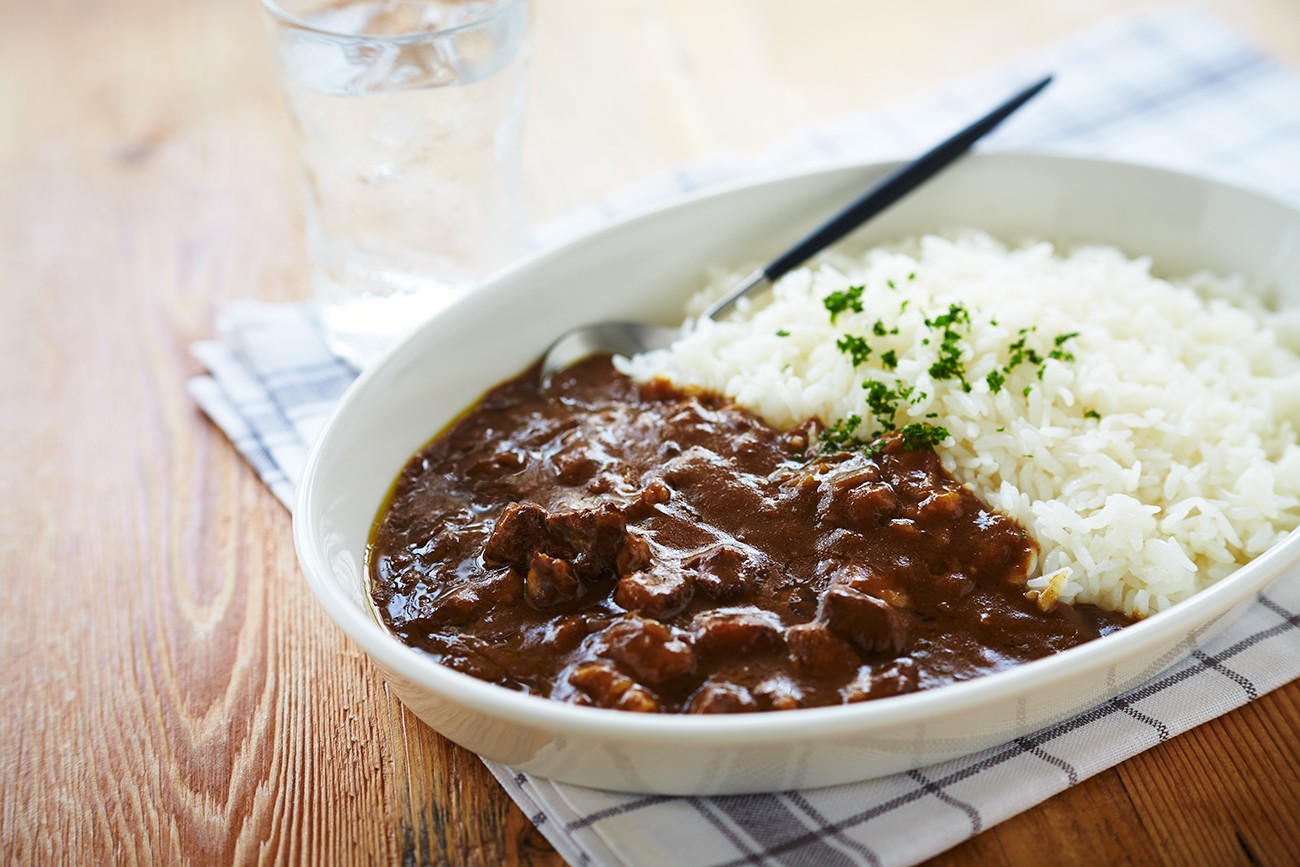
[{"x": 409, "y": 115}]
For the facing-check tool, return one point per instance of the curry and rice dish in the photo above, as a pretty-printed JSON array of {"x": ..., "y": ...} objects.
[{"x": 936, "y": 461}]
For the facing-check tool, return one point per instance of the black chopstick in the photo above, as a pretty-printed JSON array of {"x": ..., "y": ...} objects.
[{"x": 898, "y": 183}]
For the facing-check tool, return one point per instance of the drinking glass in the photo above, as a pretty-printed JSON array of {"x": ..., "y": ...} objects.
[{"x": 409, "y": 115}]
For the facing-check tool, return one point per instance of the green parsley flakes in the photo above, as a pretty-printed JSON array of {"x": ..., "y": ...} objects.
[
  {"x": 884, "y": 402},
  {"x": 949, "y": 364},
  {"x": 840, "y": 302},
  {"x": 914, "y": 437},
  {"x": 840, "y": 436},
  {"x": 1019, "y": 352},
  {"x": 918, "y": 435},
  {"x": 1059, "y": 354},
  {"x": 948, "y": 333},
  {"x": 856, "y": 348}
]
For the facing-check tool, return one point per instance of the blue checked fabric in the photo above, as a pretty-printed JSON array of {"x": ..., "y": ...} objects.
[{"x": 1173, "y": 88}]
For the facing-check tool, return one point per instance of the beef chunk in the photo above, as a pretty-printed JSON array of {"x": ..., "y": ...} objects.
[
  {"x": 464, "y": 604},
  {"x": 779, "y": 693},
  {"x": 575, "y": 467},
  {"x": 899, "y": 677},
  {"x": 455, "y": 608},
  {"x": 870, "y": 504},
  {"x": 657, "y": 594},
  {"x": 595, "y": 536},
  {"x": 853, "y": 494},
  {"x": 816, "y": 650},
  {"x": 605, "y": 686},
  {"x": 648, "y": 649},
  {"x": 725, "y": 573},
  {"x": 517, "y": 535},
  {"x": 633, "y": 555},
  {"x": 737, "y": 631},
  {"x": 654, "y": 494},
  {"x": 869, "y": 623},
  {"x": 566, "y": 632},
  {"x": 942, "y": 504},
  {"x": 594, "y": 544},
  {"x": 550, "y": 582},
  {"x": 722, "y": 698}
]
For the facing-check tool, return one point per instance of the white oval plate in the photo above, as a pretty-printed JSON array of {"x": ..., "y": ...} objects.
[{"x": 645, "y": 268}]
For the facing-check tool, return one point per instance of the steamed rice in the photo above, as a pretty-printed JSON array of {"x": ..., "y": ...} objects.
[{"x": 1156, "y": 460}]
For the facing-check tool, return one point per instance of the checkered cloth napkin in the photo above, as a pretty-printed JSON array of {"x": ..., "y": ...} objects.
[{"x": 1173, "y": 88}]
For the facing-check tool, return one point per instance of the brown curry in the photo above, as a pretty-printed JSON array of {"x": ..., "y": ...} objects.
[{"x": 641, "y": 548}]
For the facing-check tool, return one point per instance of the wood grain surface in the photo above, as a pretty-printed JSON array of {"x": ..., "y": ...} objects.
[{"x": 170, "y": 691}]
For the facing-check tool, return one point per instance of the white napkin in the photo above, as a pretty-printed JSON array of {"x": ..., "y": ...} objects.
[{"x": 1173, "y": 88}]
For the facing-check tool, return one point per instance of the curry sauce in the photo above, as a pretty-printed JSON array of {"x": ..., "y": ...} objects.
[{"x": 643, "y": 548}]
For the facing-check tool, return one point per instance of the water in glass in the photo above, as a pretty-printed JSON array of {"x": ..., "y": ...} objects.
[{"x": 409, "y": 116}]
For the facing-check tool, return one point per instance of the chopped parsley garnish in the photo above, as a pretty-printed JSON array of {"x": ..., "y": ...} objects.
[
  {"x": 1060, "y": 354},
  {"x": 949, "y": 364},
  {"x": 1020, "y": 353},
  {"x": 856, "y": 348},
  {"x": 840, "y": 436},
  {"x": 949, "y": 332},
  {"x": 839, "y": 302},
  {"x": 783, "y": 333},
  {"x": 956, "y": 315},
  {"x": 918, "y": 436},
  {"x": 884, "y": 401},
  {"x": 911, "y": 276}
]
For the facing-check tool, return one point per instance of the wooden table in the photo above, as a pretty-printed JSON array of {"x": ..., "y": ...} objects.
[{"x": 170, "y": 691}]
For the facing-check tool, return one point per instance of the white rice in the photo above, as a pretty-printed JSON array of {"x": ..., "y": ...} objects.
[{"x": 1191, "y": 470}]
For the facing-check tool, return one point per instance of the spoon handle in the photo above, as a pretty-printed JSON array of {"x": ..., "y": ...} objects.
[{"x": 879, "y": 196}]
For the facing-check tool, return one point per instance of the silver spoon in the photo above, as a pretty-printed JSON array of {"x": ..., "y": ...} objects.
[{"x": 629, "y": 338}]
